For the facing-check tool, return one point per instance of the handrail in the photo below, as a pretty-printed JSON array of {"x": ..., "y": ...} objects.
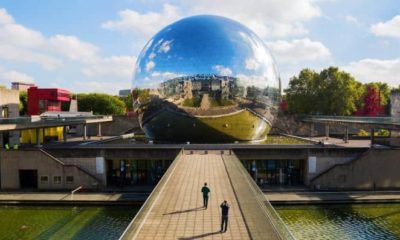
[
  {"x": 239, "y": 176},
  {"x": 71, "y": 165},
  {"x": 136, "y": 224},
  {"x": 360, "y": 156},
  {"x": 354, "y": 119},
  {"x": 74, "y": 191}
]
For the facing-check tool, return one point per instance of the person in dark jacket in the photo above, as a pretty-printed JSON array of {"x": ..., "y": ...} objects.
[
  {"x": 224, "y": 219},
  {"x": 205, "y": 190}
]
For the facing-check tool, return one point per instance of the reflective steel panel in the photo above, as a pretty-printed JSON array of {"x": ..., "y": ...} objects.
[{"x": 206, "y": 79}]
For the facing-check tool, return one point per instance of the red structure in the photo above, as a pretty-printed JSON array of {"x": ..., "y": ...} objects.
[{"x": 46, "y": 99}]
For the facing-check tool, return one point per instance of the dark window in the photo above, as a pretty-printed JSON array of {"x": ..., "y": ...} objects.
[
  {"x": 69, "y": 179},
  {"x": 5, "y": 112},
  {"x": 57, "y": 179},
  {"x": 44, "y": 179}
]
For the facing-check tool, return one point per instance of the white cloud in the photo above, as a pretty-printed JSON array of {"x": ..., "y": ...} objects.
[
  {"x": 158, "y": 76},
  {"x": 14, "y": 76},
  {"x": 9, "y": 76},
  {"x": 16, "y": 34},
  {"x": 223, "y": 71},
  {"x": 298, "y": 50},
  {"x": 268, "y": 18},
  {"x": 351, "y": 19},
  {"x": 21, "y": 44},
  {"x": 120, "y": 67},
  {"x": 165, "y": 46},
  {"x": 376, "y": 70},
  {"x": 152, "y": 55},
  {"x": 252, "y": 64},
  {"x": 390, "y": 28},
  {"x": 20, "y": 54},
  {"x": 73, "y": 48},
  {"x": 110, "y": 87},
  {"x": 143, "y": 25},
  {"x": 5, "y": 18},
  {"x": 150, "y": 65}
]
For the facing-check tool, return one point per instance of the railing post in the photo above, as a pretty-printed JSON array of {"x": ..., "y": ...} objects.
[
  {"x": 327, "y": 131},
  {"x": 346, "y": 134},
  {"x": 372, "y": 136}
]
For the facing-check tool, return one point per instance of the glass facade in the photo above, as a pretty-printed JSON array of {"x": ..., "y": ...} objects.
[
  {"x": 208, "y": 75},
  {"x": 276, "y": 172},
  {"x": 125, "y": 173}
]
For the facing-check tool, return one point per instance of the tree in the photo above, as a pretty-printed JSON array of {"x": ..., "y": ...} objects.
[
  {"x": 128, "y": 100},
  {"x": 300, "y": 92},
  {"x": 100, "y": 103},
  {"x": 23, "y": 103},
  {"x": 372, "y": 102},
  {"x": 330, "y": 92},
  {"x": 375, "y": 100}
]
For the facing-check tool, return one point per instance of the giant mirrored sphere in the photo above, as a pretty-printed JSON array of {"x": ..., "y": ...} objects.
[{"x": 206, "y": 79}]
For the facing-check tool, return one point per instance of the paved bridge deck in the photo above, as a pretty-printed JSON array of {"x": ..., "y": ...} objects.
[{"x": 175, "y": 208}]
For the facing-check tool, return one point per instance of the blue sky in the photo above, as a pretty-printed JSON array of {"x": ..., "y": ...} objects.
[{"x": 92, "y": 45}]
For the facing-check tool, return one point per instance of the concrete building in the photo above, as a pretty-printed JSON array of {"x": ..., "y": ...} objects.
[
  {"x": 21, "y": 86},
  {"x": 9, "y": 107},
  {"x": 124, "y": 92},
  {"x": 395, "y": 104},
  {"x": 42, "y": 100}
]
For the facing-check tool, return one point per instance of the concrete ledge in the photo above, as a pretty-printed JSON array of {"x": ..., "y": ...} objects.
[
  {"x": 64, "y": 198},
  {"x": 312, "y": 198}
]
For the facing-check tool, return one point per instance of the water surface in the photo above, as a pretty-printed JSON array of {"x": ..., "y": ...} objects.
[
  {"x": 345, "y": 221},
  {"x": 64, "y": 222}
]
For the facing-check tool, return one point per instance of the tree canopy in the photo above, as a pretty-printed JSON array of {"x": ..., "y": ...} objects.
[
  {"x": 23, "y": 103},
  {"x": 100, "y": 103},
  {"x": 330, "y": 92}
]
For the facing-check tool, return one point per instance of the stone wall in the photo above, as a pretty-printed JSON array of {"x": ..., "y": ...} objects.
[
  {"x": 9, "y": 99},
  {"x": 120, "y": 125},
  {"x": 376, "y": 170},
  {"x": 292, "y": 124},
  {"x": 14, "y": 160},
  {"x": 395, "y": 104}
]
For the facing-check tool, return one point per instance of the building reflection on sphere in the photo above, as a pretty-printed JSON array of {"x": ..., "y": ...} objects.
[{"x": 206, "y": 79}]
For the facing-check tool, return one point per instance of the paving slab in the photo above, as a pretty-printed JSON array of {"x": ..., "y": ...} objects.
[{"x": 178, "y": 212}]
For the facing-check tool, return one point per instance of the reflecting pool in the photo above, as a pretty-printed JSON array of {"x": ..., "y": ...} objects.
[
  {"x": 347, "y": 221},
  {"x": 64, "y": 222}
]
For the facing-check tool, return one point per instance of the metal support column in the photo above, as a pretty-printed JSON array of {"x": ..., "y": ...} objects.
[
  {"x": 312, "y": 130},
  {"x": 326, "y": 131},
  {"x": 65, "y": 133},
  {"x": 346, "y": 135},
  {"x": 99, "y": 130},
  {"x": 372, "y": 136},
  {"x": 38, "y": 137},
  {"x": 43, "y": 134},
  {"x": 84, "y": 132}
]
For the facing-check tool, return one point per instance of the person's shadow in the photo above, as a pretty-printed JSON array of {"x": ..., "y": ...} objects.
[
  {"x": 185, "y": 211},
  {"x": 199, "y": 236}
]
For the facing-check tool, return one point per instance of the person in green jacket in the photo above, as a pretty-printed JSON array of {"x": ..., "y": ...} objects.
[{"x": 205, "y": 190}]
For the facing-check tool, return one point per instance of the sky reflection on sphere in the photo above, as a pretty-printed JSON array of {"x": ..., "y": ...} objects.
[{"x": 209, "y": 75}]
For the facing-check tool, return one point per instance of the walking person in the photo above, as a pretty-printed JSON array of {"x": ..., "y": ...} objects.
[
  {"x": 205, "y": 190},
  {"x": 224, "y": 219}
]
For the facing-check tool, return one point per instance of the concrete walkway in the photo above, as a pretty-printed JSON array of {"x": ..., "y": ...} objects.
[{"x": 178, "y": 212}]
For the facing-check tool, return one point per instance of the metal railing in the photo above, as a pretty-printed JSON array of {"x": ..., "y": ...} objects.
[
  {"x": 74, "y": 191},
  {"x": 261, "y": 219},
  {"x": 136, "y": 224},
  {"x": 354, "y": 119},
  {"x": 38, "y": 119}
]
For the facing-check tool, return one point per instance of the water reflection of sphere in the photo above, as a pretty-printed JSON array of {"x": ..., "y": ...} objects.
[{"x": 206, "y": 79}]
